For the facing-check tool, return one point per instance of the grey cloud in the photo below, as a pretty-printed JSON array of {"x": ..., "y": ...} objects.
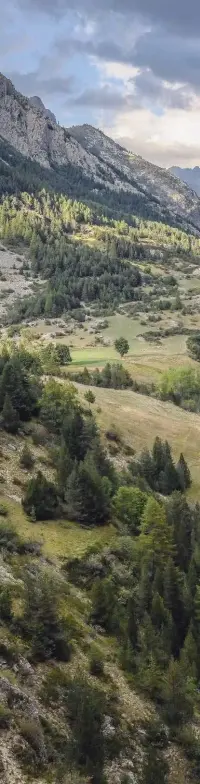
[
  {"x": 149, "y": 89},
  {"x": 106, "y": 50},
  {"x": 103, "y": 98},
  {"x": 169, "y": 57},
  {"x": 31, "y": 83},
  {"x": 173, "y": 14}
]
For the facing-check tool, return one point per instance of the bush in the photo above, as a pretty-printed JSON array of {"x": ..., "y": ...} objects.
[
  {"x": 30, "y": 729},
  {"x": 9, "y": 416},
  {"x": 5, "y": 717},
  {"x": 26, "y": 458},
  {"x": 155, "y": 767},
  {"x": 40, "y": 498},
  {"x": 85, "y": 709},
  {"x": 49, "y": 635},
  {"x": 128, "y": 506},
  {"x": 3, "y": 510},
  {"x": 89, "y": 396},
  {"x": 96, "y": 663},
  {"x": 6, "y": 603}
]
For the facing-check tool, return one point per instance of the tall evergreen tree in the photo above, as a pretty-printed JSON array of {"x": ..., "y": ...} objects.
[
  {"x": 9, "y": 416},
  {"x": 183, "y": 473}
]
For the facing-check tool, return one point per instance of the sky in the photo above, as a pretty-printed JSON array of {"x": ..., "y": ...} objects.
[{"x": 129, "y": 67}]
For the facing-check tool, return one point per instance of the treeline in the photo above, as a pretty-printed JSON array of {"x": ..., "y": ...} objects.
[
  {"x": 180, "y": 386},
  {"x": 112, "y": 376}
]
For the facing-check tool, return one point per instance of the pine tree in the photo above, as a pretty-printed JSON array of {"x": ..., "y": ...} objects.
[
  {"x": 177, "y": 694},
  {"x": 73, "y": 495},
  {"x": 159, "y": 456},
  {"x": 168, "y": 480},
  {"x": 155, "y": 767},
  {"x": 64, "y": 467},
  {"x": 9, "y": 416},
  {"x": 155, "y": 537},
  {"x": 176, "y": 601},
  {"x": 183, "y": 473},
  {"x": 180, "y": 519},
  {"x": 189, "y": 655}
]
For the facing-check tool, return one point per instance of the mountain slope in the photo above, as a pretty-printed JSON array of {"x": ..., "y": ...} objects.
[
  {"x": 147, "y": 177},
  {"x": 190, "y": 176},
  {"x": 107, "y": 172}
]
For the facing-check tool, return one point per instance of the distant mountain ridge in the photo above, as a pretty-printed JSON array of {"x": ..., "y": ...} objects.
[
  {"x": 190, "y": 176},
  {"x": 110, "y": 173}
]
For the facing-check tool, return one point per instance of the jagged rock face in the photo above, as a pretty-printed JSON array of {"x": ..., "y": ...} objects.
[
  {"x": 37, "y": 103},
  {"x": 33, "y": 131}
]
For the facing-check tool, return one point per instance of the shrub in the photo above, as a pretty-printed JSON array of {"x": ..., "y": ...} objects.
[
  {"x": 26, "y": 458},
  {"x": 85, "y": 708},
  {"x": 89, "y": 396},
  {"x": 9, "y": 417},
  {"x": 155, "y": 767},
  {"x": 31, "y": 730},
  {"x": 128, "y": 506},
  {"x": 41, "y": 496},
  {"x": 96, "y": 663},
  {"x": 5, "y": 717},
  {"x": 49, "y": 635},
  {"x": 3, "y": 510}
]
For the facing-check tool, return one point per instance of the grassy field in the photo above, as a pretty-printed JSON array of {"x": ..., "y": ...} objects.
[
  {"x": 138, "y": 419},
  {"x": 145, "y": 361},
  {"x": 59, "y": 539}
]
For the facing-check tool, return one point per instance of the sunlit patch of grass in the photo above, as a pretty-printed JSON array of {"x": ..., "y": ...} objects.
[{"x": 59, "y": 539}]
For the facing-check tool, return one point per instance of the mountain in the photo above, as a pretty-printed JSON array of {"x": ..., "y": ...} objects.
[
  {"x": 83, "y": 161},
  {"x": 37, "y": 103},
  {"x": 190, "y": 176}
]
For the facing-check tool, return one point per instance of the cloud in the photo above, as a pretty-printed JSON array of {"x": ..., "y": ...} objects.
[
  {"x": 104, "y": 98},
  {"x": 170, "y": 57},
  {"x": 173, "y": 14},
  {"x": 150, "y": 90},
  {"x": 33, "y": 84},
  {"x": 165, "y": 139}
]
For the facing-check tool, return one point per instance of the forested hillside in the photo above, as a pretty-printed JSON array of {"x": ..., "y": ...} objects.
[
  {"x": 99, "y": 465},
  {"x": 127, "y": 610}
]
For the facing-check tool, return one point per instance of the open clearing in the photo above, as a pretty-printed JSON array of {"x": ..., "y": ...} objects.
[{"x": 60, "y": 539}]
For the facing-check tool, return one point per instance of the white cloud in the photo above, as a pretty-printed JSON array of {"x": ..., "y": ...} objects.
[
  {"x": 166, "y": 139},
  {"x": 116, "y": 70}
]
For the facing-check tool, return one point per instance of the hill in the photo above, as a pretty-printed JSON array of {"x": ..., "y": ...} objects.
[{"x": 190, "y": 176}]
